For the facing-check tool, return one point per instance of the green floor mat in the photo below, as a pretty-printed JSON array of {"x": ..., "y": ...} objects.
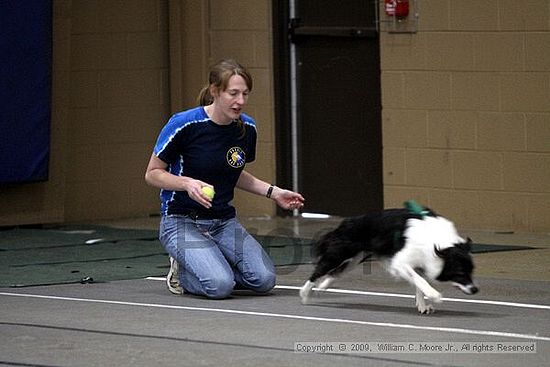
[
  {"x": 73, "y": 254},
  {"x": 24, "y": 238}
]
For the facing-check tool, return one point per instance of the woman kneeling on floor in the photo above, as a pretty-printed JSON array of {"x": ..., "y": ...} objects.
[{"x": 197, "y": 162}]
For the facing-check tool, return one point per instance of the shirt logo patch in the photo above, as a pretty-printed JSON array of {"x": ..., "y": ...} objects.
[{"x": 236, "y": 157}]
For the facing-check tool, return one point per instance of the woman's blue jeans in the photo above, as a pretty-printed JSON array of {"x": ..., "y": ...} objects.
[{"x": 215, "y": 255}]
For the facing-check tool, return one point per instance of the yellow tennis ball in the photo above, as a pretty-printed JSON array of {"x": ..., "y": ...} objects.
[{"x": 208, "y": 192}]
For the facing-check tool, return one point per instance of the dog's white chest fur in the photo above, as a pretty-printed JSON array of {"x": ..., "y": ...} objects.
[{"x": 421, "y": 236}]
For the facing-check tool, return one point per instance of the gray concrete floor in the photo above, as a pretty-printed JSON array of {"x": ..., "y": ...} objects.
[{"x": 139, "y": 323}]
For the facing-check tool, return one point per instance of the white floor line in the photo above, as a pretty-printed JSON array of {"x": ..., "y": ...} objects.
[
  {"x": 400, "y": 295},
  {"x": 288, "y": 316}
]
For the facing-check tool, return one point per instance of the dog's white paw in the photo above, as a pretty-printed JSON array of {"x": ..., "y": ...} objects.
[
  {"x": 422, "y": 306},
  {"x": 425, "y": 309},
  {"x": 305, "y": 292},
  {"x": 304, "y": 296}
]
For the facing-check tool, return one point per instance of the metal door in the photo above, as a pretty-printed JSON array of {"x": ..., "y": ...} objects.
[{"x": 328, "y": 104}]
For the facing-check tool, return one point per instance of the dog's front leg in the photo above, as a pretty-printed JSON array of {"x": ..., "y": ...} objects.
[{"x": 422, "y": 286}]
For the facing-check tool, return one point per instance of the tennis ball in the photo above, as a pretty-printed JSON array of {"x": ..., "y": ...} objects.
[{"x": 208, "y": 192}]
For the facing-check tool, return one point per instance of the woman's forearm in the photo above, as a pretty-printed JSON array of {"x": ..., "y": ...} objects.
[{"x": 252, "y": 184}]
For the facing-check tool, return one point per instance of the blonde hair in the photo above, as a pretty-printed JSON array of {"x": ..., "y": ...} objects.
[{"x": 218, "y": 78}]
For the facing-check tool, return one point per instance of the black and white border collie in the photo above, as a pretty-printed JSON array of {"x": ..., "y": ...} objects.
[{"x": 414, "y": 243}]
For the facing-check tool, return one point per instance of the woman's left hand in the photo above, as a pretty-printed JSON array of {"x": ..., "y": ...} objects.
[{"x": 287, "y": 199}]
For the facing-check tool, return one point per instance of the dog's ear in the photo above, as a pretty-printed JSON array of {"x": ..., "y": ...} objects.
[
  {"x": 438, "y": 252},
  {"x": 469, "y": 243},
  {"x": 469, "y": 240},
  {"x": 466, "y": 246}
]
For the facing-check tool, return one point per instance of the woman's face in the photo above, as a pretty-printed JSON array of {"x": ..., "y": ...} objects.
[{"x": 228, "y": 104}]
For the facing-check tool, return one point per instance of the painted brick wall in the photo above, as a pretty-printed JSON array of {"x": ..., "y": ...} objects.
[
  {"x": 466, "y": 113},
  {"x": 241, "y": 29}
]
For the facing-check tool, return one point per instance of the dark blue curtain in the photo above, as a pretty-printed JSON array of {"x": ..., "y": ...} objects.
[{"x": 25, "y": 89}]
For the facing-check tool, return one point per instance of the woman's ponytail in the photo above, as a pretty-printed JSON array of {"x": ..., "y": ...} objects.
[{"x": 205, "y": 98}]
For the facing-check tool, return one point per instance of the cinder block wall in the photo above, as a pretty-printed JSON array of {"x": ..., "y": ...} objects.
[
  {"x": 118, "y": 70},
  {"x": 241, "y": 29},
  {"x": 466, "y": 113}
]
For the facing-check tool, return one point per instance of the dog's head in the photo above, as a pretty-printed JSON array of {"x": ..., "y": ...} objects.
[{"x": 458, "y": 266}]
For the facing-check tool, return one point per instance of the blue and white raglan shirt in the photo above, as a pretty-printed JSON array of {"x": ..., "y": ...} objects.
[{"x": 194, "y": 146}]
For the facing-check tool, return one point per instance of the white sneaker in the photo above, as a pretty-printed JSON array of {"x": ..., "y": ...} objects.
[{"x": 172, "y": 278}]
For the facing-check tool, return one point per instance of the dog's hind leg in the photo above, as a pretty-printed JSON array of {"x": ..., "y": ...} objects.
[
  {"x": 328, "y": 274},
  {"x": 327, "y": 281},
  {"x": 307, "y": 288},
  {"x": 321, "y": 272},
  {"x": 305, "y": 291},
  {"x": 341, "y": 269},
  {"x": 344, "y": 267}
]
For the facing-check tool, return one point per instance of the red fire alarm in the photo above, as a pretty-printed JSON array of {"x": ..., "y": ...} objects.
[{"x": 397, "y": 8}]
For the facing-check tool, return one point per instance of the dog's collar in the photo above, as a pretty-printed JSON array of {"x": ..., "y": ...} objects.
[{"x": 415, "y": 208}]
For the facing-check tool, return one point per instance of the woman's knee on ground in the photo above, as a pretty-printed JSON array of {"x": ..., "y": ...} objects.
[
  {"x": 261, "y": 282},
  {"x": 218, "y": 288}
]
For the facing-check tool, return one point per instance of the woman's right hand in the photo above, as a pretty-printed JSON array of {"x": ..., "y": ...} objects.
[
  {"x": 194, "y": 190},
  {"x": 157, "y": 175}
]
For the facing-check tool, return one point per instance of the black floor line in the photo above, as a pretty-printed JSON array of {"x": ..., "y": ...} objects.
[{"x": 209, "y": 342}]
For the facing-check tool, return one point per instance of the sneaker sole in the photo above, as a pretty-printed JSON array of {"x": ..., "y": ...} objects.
[{"x": 173, "y": 284}]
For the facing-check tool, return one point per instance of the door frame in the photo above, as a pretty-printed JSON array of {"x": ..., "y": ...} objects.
[{"x": 282, "y": 89}]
